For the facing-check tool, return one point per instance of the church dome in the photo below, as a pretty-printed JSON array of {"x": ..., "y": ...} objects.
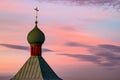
[{"x": 36, "y": 36}]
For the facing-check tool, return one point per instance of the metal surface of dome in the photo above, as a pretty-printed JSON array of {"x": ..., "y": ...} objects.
[{"x": 36, "y": 36}]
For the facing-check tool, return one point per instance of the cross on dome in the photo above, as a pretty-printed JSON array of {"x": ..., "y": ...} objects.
[{"x": 36, "y": 9}]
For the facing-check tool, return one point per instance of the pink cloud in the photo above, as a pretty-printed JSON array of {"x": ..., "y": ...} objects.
[
  {"x": 14, "y": 6},
  {"x": 57, "y": 37}
]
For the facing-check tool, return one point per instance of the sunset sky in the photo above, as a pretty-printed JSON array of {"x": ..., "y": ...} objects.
[{"x": 82, "y": 37}]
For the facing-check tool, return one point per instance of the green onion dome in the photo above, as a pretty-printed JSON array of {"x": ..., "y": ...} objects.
[{"x": 36, "y": 36}]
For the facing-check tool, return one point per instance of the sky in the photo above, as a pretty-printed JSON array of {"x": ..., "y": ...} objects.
[{"x": 82, "y": 37}]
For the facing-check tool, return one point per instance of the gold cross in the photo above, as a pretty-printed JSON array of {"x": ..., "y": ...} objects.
[{"x": 36, "y": 9}]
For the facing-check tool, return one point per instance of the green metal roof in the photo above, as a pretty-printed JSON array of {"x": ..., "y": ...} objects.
[
  {"x": 47, "y": 72},
  {"x": 36, "y": 68},
  {"x": 36, "y": 36}
]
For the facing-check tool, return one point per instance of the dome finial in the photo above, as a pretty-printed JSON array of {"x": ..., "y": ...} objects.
[
  {"x": 36, "y": 36},
  {"x": 36, "y": 9}
]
